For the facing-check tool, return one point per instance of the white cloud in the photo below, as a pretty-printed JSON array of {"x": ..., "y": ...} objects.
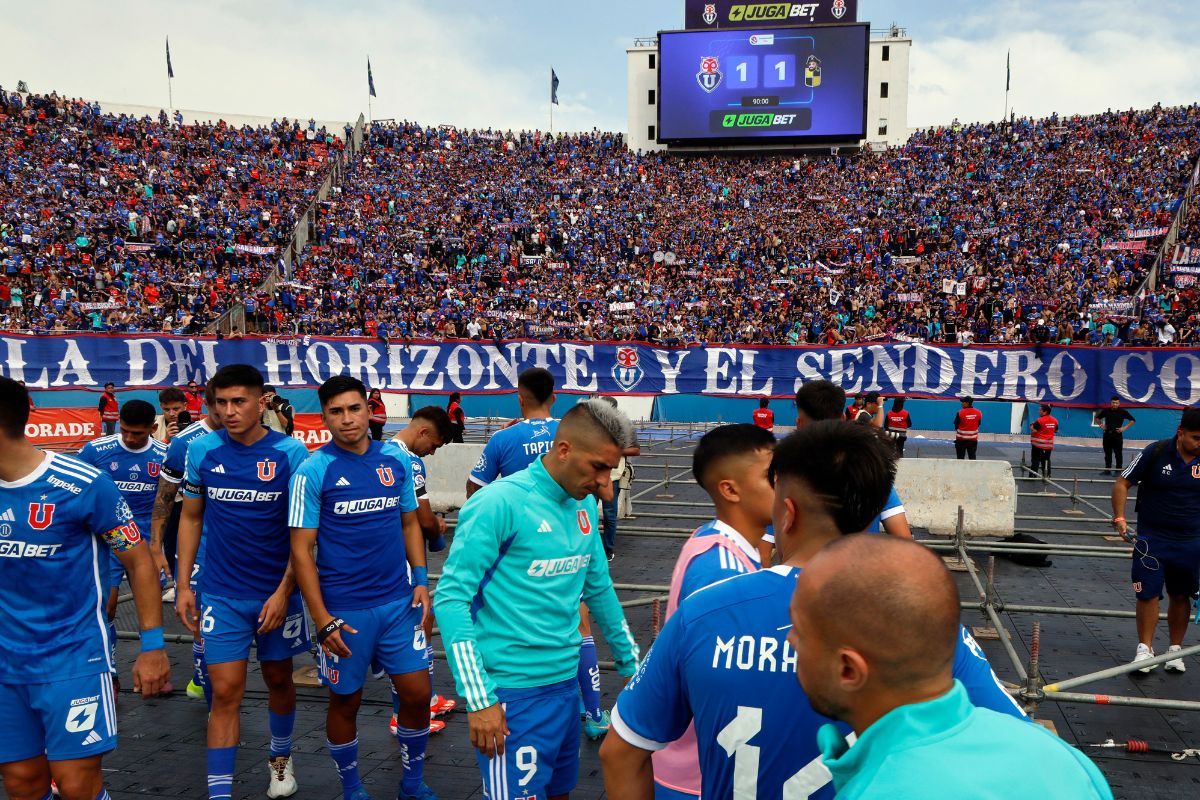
[{"x": 1081, "y": 57}]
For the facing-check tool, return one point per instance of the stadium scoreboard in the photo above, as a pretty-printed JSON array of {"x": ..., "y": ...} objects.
[{"x": 762, "y": 86}]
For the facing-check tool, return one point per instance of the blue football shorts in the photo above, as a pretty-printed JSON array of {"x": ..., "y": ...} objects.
[
  {"x": 229, "y": 625},
  {"x": 390, "y": 639},
  {"x": 541, "y": 752},
  {"x": 67, "y": 719}
]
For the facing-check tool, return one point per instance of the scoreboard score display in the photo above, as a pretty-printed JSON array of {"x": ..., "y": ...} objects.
[{"x": 786, "y": 85}]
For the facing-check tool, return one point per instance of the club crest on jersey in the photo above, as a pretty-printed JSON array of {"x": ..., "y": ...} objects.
[
  {"x": 710, "y": 13},
  {"x": 585, "y": 523},
  {"x": 266, "y": 470},
  {"x": 114, "y": 466},
  {"x": 385, "y": 475},
  {"x": 152, "y": 468},
  {"x": 41, "y": 515},
  {"x": 1196, "y": 470},
  {"x": 709, "y": 76},
  {"x": 627, "y": 372}
]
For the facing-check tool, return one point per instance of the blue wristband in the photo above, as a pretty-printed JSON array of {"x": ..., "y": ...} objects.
[
  {"x": 152, "y": 639},
  {"x": 420, "y": 576}
]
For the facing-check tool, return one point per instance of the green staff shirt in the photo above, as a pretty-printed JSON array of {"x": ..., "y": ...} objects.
[{"x": 507, "y": 603}]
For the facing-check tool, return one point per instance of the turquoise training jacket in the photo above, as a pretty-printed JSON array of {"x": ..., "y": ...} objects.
[{"x": 507, "y": 603}]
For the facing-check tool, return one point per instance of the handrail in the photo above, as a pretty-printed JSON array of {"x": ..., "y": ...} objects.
[{"x": 1150, "y": 282}]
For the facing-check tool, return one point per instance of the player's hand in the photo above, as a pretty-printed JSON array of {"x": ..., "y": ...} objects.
[
  {"x": 510, "y": 423},
  {"x": 1122, "y": 528},
  {"x": 488, "y": 728},
  {"x": 441, "y": 522},
  {"x": 185, "y": 608},
  {"x": 161, "y": 563},
  {"x": 333, "y": 643},
  {"x": 172, "y": 430},
  {"x": 151, "y": 672},
  {"x": 273, "y": 612},
  {"x": 421, "y": 598}
]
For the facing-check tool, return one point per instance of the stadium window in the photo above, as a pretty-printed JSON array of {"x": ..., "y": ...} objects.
[
  {"x": 650, "y": 133},
  {"x": 882, "y": 127},
  {"x": 650, "y": 96},
  {"x": 883, "y": 89},
  {"x": 887, "y": 52},
  {"x": 652, "y": 60}
]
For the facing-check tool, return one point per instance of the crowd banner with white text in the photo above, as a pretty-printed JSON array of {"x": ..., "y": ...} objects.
[
  {"x": 62, "y": 428},
  {"x": 1066, "y": 375}
]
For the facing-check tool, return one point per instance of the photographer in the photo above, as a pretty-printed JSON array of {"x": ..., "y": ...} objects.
[{"x": 279, "y": 413}]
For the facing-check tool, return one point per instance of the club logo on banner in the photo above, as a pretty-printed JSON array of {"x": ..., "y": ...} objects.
[
  {"x": 626, "y": 372},
  {"x": 838, "y": 9},
  {"x": 709, "y": 76},
  {"x": 710, "y": 14}
]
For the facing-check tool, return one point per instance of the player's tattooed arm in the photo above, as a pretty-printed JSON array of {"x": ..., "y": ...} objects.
[{"x": 164, "y": 500}]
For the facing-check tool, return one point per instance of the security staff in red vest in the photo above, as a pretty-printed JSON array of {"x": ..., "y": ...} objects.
[
  {"x": 763, "y": 416},
  {"x": 110, "y": 410},
  {"x": 1041, "y": 436},
  {"x": 194, "y": 397},
  {"x": 378, "y": 414},
  {"x": 966, "y": 429},
  {"x": 896, "y": 423}
]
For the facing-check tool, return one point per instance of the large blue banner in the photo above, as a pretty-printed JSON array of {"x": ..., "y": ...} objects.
[{"x": 1085, "y": 376}]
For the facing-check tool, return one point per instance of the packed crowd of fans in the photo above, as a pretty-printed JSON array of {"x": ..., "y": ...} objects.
[
  {"x": 1039, "y": 230},
  {"x": 115, "y": 223}
]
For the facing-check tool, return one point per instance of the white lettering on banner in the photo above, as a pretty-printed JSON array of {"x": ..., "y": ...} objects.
[
  {"x": 334, "y": 363},
  {"x": 73, "y": 363},
  {"x": 455, "y": 367},
  {"x": 13, "y": 365},
  {"x": 748, "y": 386},
  {"x": 670, "y": 371},
  {"x": 396, "y": 367},
  {"x": 185, "y": 352},
  {"x": 360, "y": 363},
  {"x": 1055, "y": 374},
  {"x": 542, "y": 353},
  {"x": 1120, "y": 376},
  {"x": 971, "y": 373},
  {"x": 312, "y": 436},
  {"x": 720, "y": 361},
  {"x": 576, "y": 367},
  {"x": 1020, "y": 366},
  {"x": 275, "y": 364},
  {"x": 921, "y": 370},
  {"x": 428, "y": 377},
  {"x": 808, "y": 365},
  {"x": 840, "y": 372},
  {"x": 893, "y": 368},
  {"x": 506, "y": 362},
  {"x": 137, "y": 363},
  {"x": 1169, "y": 376},
  {"x": 61, "y": 430}
]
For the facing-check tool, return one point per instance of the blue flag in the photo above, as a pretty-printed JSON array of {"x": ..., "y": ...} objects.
[
  {"x": 370, "y": 80},
  {"x": 553, "y": 87},
  {"x": 170, "y": 71}
]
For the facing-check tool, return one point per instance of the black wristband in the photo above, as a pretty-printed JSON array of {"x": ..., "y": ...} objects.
[{"x": 331, "y": 626}]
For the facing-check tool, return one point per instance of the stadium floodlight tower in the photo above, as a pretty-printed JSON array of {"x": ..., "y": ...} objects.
[{"x": 811, "y": 79}]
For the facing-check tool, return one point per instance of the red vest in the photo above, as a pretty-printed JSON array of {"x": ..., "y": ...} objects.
[
  {"x": 378, "y": 411},
  {"x": 1043, "y": 437},
  {"x": 195, "y": 402},
  {"x": 764, "y": 418},
  {"x": 966, "y": 424},
  {"x": 112, "y": 411},
  {"x": 898, "y": 420}
]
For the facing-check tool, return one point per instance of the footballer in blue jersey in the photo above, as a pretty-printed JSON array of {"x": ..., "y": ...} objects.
[
  {"x": 133, "y": 460},
  {"x": 235, "y": 489},
  {"x": 429, "y": 429},
  {"x": 170, "y": 479},
  {"x": 367, "y": 587},
  {"x": 512, "y": 449},
  {"x": 723, "y": 661},
  {"x": 58, "y": 518}
]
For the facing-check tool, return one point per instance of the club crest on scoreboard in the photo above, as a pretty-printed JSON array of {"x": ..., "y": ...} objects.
[
  {"x": 710, "y": 13},
  {"x": 709, "y": 76}
]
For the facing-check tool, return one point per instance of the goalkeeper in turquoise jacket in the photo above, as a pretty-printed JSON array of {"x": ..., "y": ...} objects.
[{"x": 526, "y": 548}]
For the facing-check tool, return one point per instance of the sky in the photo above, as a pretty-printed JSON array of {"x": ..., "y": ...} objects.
[{"x": 480, "y": 64}]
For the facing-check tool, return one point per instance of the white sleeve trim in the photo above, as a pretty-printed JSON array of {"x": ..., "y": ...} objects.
[
  {"x": 888, "y": 513},
  {"x": 625, "y": 732},
  {"x": 477, "y": 481}
]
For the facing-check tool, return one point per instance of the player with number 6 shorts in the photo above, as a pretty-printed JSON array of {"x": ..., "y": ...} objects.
[
  {"x": 236, "y": 490},
  {"x": 525, "y": 548},
  {"x": 367, "y": 587}
]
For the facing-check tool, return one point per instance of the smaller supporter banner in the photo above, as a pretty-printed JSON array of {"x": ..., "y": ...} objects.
[
  {"x": 1137, "y": 244},
  {"x": 1145, "y": 233},
  {"x": 310, "y": 431},
  {"x": 62, "y": 428},
  {"x": 255, "y": 249}
]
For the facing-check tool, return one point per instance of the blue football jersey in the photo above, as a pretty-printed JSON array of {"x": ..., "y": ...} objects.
[
  {"x": 891, "y": 508},
  {"x": 723, "y": 662},
  {"x": 512, "y": 449},
  {"x": 175, "y": 463},
  {"x": 355, "y": 503},
  {"x": 418, "y": 466},
  {"x": 715, "y": 564},
  {"x": 245, "y": 490},
  {"x": 56, "y": 528},
  {"x": 135, "y": 472}
]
